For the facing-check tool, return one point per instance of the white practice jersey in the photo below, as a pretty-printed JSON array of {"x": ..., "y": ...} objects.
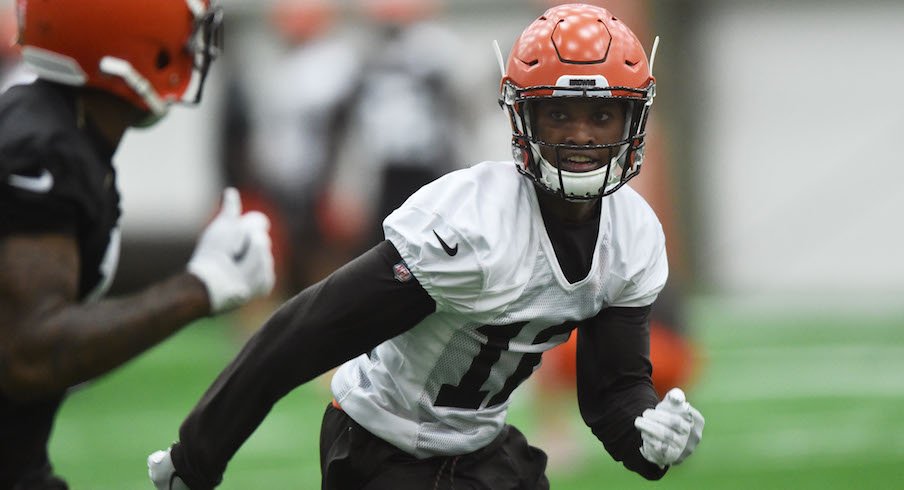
[{"x": 476, "y": 242}]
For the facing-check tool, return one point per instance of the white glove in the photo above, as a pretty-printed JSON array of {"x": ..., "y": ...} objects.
[
  {"x": 233, "y": 257},
  {"x": 163, "y": 473},
  {"x": 671, "y": 431}
]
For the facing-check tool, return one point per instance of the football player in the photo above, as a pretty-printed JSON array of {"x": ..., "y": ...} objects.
[
  {"x": 407, "y": 109},
  {"x": 481, "y": 272},
  {"x": 297, "y": 108},
  {"x": 103, "y": 66}
]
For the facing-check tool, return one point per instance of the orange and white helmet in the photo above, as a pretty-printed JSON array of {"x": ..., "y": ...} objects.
[
  {"x": 578, "y": 50},
  {"x": 152, "y": 53}
]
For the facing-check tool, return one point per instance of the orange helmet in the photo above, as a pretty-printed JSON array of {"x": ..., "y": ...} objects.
[
  {"x": 578, "y": 50},
  {"x": 151, "y": 53}
]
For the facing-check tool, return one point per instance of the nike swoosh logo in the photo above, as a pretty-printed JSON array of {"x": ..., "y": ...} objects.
[
  {"x": 40, "y": 184},
  {"x": 243, "y": 250},
  {"x": 449, "y": 250}
]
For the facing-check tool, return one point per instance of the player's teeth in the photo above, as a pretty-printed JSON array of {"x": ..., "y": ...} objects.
[{"x": 579, "y": 159}]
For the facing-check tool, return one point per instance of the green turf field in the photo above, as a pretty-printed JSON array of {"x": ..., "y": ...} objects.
[{"x": 796, "y": 402}]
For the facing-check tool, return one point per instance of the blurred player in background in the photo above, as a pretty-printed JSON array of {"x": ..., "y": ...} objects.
[
  {"x": 103, "y": 66},
  {"x": 407, "y": 118},
  {"x": 481, "y": 272},
  {"x": 345, "y": 130},
  {"x": 297, "y": 120}
]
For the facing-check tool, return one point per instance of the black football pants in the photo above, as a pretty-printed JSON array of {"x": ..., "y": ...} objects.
[{"x": 351, "y": 458}]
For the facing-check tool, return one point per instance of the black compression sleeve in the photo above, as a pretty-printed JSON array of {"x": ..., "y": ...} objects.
[
  {"x": 614, "y": 382},
  {"x": 345, "y": 315}
]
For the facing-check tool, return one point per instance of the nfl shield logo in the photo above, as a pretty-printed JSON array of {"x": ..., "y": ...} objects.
[{"x": 400, "y": 272}]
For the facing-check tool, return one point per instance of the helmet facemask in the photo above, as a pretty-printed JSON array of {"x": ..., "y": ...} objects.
[
  {"x": 205, "y": 44},
  {"x": 550, "y": 176}
]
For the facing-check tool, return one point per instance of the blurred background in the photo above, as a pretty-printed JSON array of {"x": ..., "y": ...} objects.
[{"x": 773, "y": 166}]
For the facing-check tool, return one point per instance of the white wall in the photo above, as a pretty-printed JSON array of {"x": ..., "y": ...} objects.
[{"x": 801, "y": 165}]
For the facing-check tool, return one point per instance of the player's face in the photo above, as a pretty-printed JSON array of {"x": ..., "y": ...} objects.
[{"x": 579, "y": 121}]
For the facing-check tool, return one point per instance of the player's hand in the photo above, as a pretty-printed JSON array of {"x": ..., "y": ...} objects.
[
  {"x": 163, "y": 473},
  {"x": 671, "y": 431},
  {"x": 233, "y": 257}
]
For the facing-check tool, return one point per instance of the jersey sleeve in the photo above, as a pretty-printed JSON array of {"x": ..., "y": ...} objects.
[
  {"x": 468, "y": 239},
  {"x": 44, "y": 184},
  {"x": 31, "y": 198},
  {"x": 644, "y": 287},
  {"x": 442, "y": 259},
  {"x": 644, "y": 264}
]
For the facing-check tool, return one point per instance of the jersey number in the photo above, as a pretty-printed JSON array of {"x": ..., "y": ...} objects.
[{"x": 467, "y": 393}]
